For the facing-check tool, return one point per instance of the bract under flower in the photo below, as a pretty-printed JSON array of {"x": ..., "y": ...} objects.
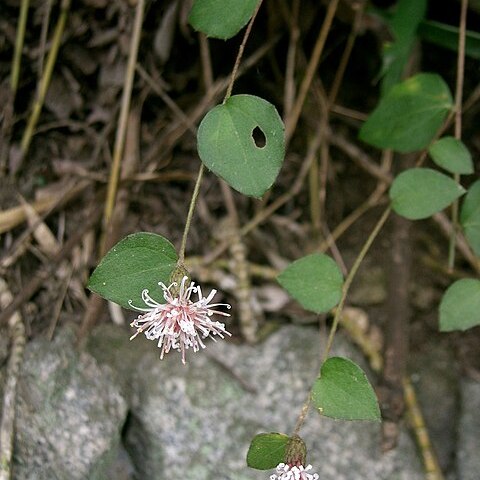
[
  {"x": 179, "y": 323},
  {"x": 293, "y": 472}
]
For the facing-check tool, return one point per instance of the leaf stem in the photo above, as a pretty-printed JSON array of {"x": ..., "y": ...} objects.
[
  {"x": 458, "y": 121},
  {"x": 191, "y": 208},
  {"x": 240, "y": 53},
  {"x": 196, "y": 190}
]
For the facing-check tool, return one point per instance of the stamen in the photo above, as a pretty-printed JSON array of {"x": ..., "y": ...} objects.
[
  {"x": 149, "y": 301},
  {"x": 140, "y": 309},
  {"x": 180, "y": 323}
]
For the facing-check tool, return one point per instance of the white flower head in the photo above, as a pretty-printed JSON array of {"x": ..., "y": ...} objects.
[
  {"x": 179, "y": 323},
  {"x": 293, "y": 472}
]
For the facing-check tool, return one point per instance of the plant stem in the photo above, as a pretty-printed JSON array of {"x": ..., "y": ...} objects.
[
  {"x": 458, "y": 120},
  {"x": 48, "y": 5},
  {"x": 191, "y": 208},
  {"x": 17, "y": 56},
  {"x": 240, "y": 53},
  {"x": 289, "y": 88},
  {"x": 123, "y": 118},
  {"x": 339, "y": 309},
  {"x": 46, "y": 77},
  {"x": 291, "y": 121}
]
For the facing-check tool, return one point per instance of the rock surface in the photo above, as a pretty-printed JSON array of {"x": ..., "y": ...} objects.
[
  {"x": 435, "y": 378},
  {"x": 468, "y": 453},
  {"x": 69, "y": 413},
  {"x": 195, "y": 422}
]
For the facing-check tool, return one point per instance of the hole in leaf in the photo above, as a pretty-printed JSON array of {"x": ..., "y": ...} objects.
[{"x": 259, "y": 137}]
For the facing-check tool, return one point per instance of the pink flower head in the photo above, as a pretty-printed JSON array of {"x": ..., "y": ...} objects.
[
  {"x": 179, "y": 323},
  {"x": 293, "y": 472}
]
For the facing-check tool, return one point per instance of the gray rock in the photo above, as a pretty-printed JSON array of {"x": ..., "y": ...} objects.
[
  {"x": 468, "y": 453},
  {"x": 122, "y": 467},
  {"x": 195, "y": 422},
  {"x": 69, "y": 413},
  {"x": 110, "y": 345}
]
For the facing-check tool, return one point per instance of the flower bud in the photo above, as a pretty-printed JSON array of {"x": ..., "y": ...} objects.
[
  {"x": 296, "y": 451},
  {"x": 176, "y": 277}
]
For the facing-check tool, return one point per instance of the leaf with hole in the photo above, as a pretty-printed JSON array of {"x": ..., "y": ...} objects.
[
  {"x": 460, "y": 306},
  {"x": 409, "y": 115},
  {"x": 137, "y": 262},
  {"x": 221, "y": 18},
  {"x": 243, "y": 142},
  {"x": 343, "y": 392},
  {"x": 452, "y": 155},
  {"x": 420, "y": 192},
  {"x": 267, "y": 450},
  {"x": 470, "y": 216},
  {"x": 315, "y": 281}
]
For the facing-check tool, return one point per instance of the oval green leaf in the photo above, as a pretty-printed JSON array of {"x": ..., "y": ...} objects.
[
  {"x": 315, "y": 281},
  {"x": 267, "y": 450},
  {"x": 470, "y": 216},
  {"x": 137, "y": 262},
  {"x": 221, "y": 18},
  {"x": 460, "y": 306},
  {"x": 420, "y": 192},
  {"x": 227, "y": 147},
  {"x": 452, "y": 155},
  {"x": 343, "y": 392},
  {"x": 409, "y": 115}
]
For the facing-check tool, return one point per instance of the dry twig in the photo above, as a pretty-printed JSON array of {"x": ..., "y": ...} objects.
[
  {"x": 43, "y": 274},
  {"x": 131, "y": 158},
  {"x": 7, "y": 425},
  {"x": 15, "y": 216},
  {"x": 45, "y": 80},
  {"x": 291, "y": 121}
]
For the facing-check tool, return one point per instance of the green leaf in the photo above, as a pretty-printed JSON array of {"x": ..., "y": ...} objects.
[
  {"x": 221, "y": 18},
  {"x": 227, "y": 147},
  {"x": 267, "y": 450},
  {"x": 470, "y": 216},
  {"x": 409, "y": 115},
  {"x": 447, "y": 36},
  {"x": 452, "y": 155},
  {"x": 137, "y": 262},
  {"x": 315, "y": 281},
  {"x": 420, "y": 192},
  {"x": 343, "y": 392},
  {"x": 404, "y": 24},
  {"x": 438, "y": 33},
  {"x": 460, "y": 306}
]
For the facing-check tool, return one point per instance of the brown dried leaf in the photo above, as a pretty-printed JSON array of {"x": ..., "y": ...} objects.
[
  {"x": 43, "y": 235},
  {"x": 162, "y": 43}
]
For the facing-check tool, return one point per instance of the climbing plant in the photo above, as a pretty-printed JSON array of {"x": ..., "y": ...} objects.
[{"x": 411, "y": 116}]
